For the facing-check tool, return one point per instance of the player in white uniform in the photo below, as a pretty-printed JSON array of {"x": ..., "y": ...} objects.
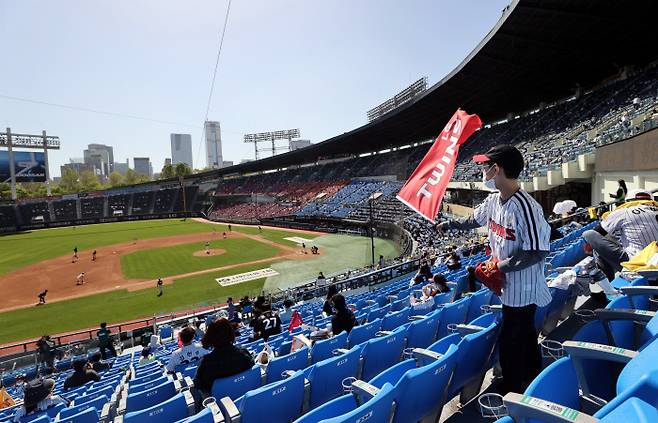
[
  {"x": 624, "y": 232},
  {"x": 519, "y": 240}
]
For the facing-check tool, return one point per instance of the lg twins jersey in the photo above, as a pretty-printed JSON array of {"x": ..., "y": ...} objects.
[
  {"x": 637, "y": 226},
  {"x": 518, "y": 224}
]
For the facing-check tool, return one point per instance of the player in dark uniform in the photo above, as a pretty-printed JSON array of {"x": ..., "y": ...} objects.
[
  {"x": 266, "y": 323},
  {"x": 42, "y": 296}
]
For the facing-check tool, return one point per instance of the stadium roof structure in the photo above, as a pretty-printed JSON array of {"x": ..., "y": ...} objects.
[{"x": 538, "y": 52}]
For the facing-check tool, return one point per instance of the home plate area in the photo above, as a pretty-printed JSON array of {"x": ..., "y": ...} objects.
[{"x": 245, "y": 277}]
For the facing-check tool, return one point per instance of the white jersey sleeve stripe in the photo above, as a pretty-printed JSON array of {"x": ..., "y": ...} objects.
[
  {"x": 533, "y": 216},
  {"x": 523, "y": 202}
]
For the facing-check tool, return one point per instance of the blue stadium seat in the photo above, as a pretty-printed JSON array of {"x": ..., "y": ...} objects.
[
  {"x": 419, "y": 392},
  {"x": 173, "y": 409},
  {"x": 134, "y": 388},
  {"x": 363, "y": 333},
  {"x": 81, "y": 406},
  {"x": 87, "y": 415},
  {"x": 281, "y": 401},
  {"x": 210, "y": 414},
  {"x": 381, "y": 353},
  {"x": 36, "y": 418},
  {"x": 293, "y": 361},
  {"x": 422, "y": 333},
  {"x": 397, "y": 318},
  {"x": 476, "y": 348},
  {"x": 326, "y": 376},
  {"x": 527, "y": 409},
  {"x": 453, "y": 313},
  {"x": 480, "y": 298},
  {"x": 561, "y": 383},
  {"x": 325, "y": 349},
  {"x": 347, "y": 409},
  {"x": 166, "y": 332},
  {"x": 150, "y": 397},
  {"x": 236, "y": 386},
  {"x": 379, "y": 313}
]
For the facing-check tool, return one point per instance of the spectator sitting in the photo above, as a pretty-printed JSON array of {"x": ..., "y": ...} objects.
[
  {"x": 425, "y": 270},
  {"x": 188, "y": 353},
  {"x": 266, "y": 324},
  {"x": 417, "y": 280},
  {"x": 343, "y": 318},
  {"x": 321, "y": 281},
  {"x": 624, "y": 232},
  {"x": 82, "y": 374},
  {"x": 258, "y": 304},
  {"x": 146, "y": 356},
  {"x": 327, "y": 310},
  {"x": 198, "y": 332},
  {"x": 224, "y": 360},
  {"x": 453, "y": 262},
  {"x": 472, "y": 280},
  {"x": 96, "y": 364},
  {"x": 439, "y": 286},
  {"x": 155, "y": 343},
  {"x": 232, "y": 310},
  {"x": 38, "y": 398},
  {"x": 286, "y": 314}
]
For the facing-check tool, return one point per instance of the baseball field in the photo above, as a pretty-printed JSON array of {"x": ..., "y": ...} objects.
[{"x": 120, "y": 284}]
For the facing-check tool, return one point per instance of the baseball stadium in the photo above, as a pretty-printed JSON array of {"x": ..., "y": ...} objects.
[{"x": 484, "y": 248}]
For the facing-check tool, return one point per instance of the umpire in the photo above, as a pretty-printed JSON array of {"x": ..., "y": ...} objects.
[{"x": 519, "y": 240}]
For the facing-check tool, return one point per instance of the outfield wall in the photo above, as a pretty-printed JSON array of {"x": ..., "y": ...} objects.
[{"x": 80, "y": 222}]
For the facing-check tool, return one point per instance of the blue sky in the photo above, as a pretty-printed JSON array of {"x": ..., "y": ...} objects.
[{"x": 314, "y": 65}]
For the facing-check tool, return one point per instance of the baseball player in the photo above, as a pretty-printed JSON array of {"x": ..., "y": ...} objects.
[
  {"x": 519, "y": 241},
  {"x": 624, "y": 232},
  {"x": 93, "y": 255},
  {"x": 80, "y": 280},
  {"x": 42, "y": 296},
  {"x": 160, "y": 285},
  {"x": 207, "y": 247}
]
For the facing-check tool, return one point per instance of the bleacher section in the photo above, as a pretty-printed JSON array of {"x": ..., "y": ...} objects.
[
  {"x": 142, "y": 202},
  {"x": 7, "y": 216},
  {"x": 117, "y": 205},
  {"x": 280, "y": 199},
  {"x": 416, "y": 358},
  {"x": 34, "y": 212},
  {"x": 65, "y": 210},
  {"x": 92, "y": 207},
  {"x": 164, "y": 199}
]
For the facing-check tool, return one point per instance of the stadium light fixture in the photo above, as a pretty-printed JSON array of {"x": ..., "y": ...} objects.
[{"x": 287, "y": 134}]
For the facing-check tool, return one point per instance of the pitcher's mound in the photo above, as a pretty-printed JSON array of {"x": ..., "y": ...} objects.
[{"x": 209, "y": 253}]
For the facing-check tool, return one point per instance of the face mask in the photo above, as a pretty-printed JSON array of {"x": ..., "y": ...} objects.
[{"x": 489, "y": 183}]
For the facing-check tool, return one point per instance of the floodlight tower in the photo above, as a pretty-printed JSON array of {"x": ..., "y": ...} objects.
[{"x": 272, "y": 137}]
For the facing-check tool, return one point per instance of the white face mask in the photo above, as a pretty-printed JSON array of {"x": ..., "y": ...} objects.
[{"x": 489, "y": 183}]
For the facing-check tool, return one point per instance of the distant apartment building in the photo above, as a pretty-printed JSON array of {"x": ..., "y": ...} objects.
[
  {"x": 101, "y": 157},
  {"x": 143, "y": 166},
  {"x": 214, "y": 157}
]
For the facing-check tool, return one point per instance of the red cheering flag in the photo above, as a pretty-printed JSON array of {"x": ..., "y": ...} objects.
[
  {"x": 425, "y": 188},
  {"x": 295, "y": 321}
]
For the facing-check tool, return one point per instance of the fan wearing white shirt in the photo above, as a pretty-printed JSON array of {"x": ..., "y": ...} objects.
[
  {"x": 624, "y": 232},
  {"x": 188, "y": 353}
]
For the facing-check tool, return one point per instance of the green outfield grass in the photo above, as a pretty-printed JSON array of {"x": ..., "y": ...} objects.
[
  {"x": 121, "y": 305},
  {"x": 338, "y": 252},
  {"x": 25, "y": 248},
  {"x": 179, "y": 259}
]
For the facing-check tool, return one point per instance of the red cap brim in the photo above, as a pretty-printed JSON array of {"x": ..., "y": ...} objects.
[{"x": 481, "y": 158}]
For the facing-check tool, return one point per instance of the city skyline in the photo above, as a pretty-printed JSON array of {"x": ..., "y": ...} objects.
[{"x": 133, "y": 88}]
